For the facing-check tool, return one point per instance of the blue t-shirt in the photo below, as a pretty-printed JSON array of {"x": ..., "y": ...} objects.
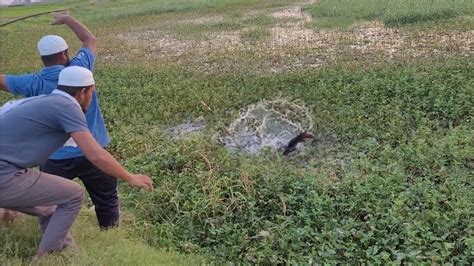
[{"x": 45, "y": 81}]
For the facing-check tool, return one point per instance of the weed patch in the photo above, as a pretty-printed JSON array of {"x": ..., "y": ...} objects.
[{"x": 393, "y": 189}]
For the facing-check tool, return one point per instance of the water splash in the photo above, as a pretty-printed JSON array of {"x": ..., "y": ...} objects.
[{"x": 269, "y": 124}]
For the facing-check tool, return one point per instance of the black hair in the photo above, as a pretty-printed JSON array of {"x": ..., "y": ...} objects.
[
  {"x": 72, "y": 90},
  {"x": 51, "y": 59}
]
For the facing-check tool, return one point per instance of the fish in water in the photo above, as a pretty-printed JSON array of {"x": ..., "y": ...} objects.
[{"x": 294, "y": 141}]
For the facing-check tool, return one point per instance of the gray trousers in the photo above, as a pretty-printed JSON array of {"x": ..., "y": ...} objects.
[{"x": 56, "y": 201}]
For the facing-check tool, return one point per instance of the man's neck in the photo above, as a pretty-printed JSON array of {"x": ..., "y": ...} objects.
[{"x": 53, "y": 64}]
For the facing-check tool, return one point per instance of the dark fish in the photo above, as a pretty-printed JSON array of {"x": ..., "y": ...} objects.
[{"x": 293, "y": 142}]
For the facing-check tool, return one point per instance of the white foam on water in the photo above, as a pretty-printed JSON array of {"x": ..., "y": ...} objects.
[{"x": 267, "y": 124}]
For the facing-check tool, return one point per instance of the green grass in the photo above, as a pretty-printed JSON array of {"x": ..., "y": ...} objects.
[
  {"x": 11, "y": 13},
  {"x": 119, "y": 246},
  {"x": 402, "y": 133},
  {"x": 391, "y": 12},
  {"x": 393, "y": 187},
  {"x": 120, "y": 10},
  {"x": 21, "y": 11}
]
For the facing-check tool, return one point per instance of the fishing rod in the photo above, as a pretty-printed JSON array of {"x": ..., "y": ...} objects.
[{"x": 30, "y": 16}]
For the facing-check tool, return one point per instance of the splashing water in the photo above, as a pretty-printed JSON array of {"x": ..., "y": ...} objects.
[{"x": 267, "y": 124}]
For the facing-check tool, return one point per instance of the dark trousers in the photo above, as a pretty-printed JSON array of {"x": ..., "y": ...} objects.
[{"x": 102, "y": 188}]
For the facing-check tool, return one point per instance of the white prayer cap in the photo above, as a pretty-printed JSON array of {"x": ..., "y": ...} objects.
[
  {"x": 51, "y": 44},
  {"x": 76, "y": 76}
]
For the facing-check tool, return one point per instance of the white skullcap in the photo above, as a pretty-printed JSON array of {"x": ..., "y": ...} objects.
[
  {"x": 76, "y": 76},
  {"x": 51, "y": 44}
]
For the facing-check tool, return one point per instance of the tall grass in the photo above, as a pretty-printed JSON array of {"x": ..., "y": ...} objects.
[{"x": 391, "y": 12}]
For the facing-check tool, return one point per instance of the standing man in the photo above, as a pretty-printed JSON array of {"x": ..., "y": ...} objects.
[
  {"x": 69, "y": 161},
  {"x": 32, "y": 129}
]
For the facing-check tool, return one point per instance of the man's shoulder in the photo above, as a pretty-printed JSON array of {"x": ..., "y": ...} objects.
[
  {"x": 42, "y": 105},
  {"x": 55, "y": 69},
  {"x": 57, "y": 105},
  {"x": 53, "y": 101},
  {"x": 84, "y": 51},
  {"x": 58, "y": 98},
  {"x": 84, "y": 58}
]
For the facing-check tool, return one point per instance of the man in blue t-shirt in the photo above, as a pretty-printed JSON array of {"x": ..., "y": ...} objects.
[
  {"x": 30, "y": 131},
  {"x": 69, "y": 161}
]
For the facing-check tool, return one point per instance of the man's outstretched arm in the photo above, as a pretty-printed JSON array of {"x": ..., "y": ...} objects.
[
  {"x": 83, "y": 34},
  {"x": 106, "y": 162}
]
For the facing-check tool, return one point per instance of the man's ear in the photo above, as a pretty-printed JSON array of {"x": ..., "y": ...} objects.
[{"x": 64, "y": 56}]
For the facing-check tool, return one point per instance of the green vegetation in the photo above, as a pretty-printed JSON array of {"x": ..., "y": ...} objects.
[
  {"x": 387, "y": 180},
  {"x": 395, "y": 188},
  {"x": 11, "y": 13},
  {"x": 112, "y": 247},
  {"x": 391, "y": 12},
  {"x": 20, "y": 11},
  {"x": 120, "y": 10}
]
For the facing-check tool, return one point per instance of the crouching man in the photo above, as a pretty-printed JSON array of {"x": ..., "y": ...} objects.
[{"x": 30, "y": 131}]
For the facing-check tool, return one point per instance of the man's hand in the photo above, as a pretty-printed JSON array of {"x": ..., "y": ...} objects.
[
  {"x": 60, "y": 17},
  {"x": 142, "y": 181},
  {"x": 85, "y": 36},
  {"x": 101, "y": 158}
]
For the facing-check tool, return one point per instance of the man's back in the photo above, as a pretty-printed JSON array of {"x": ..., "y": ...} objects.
[
  {"x": 30, "y": 132},
  {"x": 45, "y": 81}
]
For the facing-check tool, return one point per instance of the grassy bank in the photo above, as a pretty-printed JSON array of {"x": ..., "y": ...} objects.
[
  {"x": 391, "y": 12},
  {"x": 113, "y": 247}
]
